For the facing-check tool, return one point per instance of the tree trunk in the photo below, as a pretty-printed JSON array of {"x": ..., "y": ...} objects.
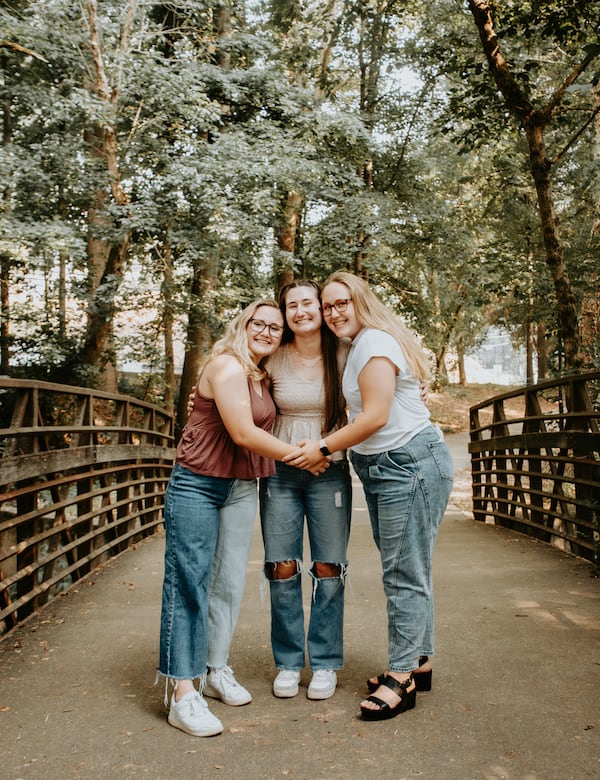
[
  {"x": 105, "y": 259},
  {"x": 460, "y": 359},
  {"x": 4, "y": 314},
  {"x": 565, "y": 298},
  {"x": 5, "y": 259},
  {"x": 441, "y": 372},
  {"x": 529, "y": 379},
  {"x": 98, "y": 348},
  {"x": 542, "y": 357},
  {"x": 205, "y": 273},
  {"x": 287, "y": 236},
  {"x": 168, "y": 322},
  {"x": 534, "y": 120},
  {"x": 596, "y": 226}
]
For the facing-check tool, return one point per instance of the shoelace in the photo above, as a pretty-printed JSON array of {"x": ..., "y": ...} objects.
[
  {"x": 195, "y": 704},
  {"x": 225, "y": 675}
]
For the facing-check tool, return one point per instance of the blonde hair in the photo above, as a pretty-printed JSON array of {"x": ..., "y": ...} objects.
[
  {"x": 372, "y": 313},
  {"x": 235, "y": 339}
]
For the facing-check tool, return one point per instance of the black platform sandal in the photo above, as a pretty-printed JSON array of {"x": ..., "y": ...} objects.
[
  {"x": 407, "y": 700},
  {"x": 422, "y": 679}
]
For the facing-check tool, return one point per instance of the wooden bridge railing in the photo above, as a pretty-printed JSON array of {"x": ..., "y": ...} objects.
[
  {"x": 535, "y": 459},
  {"x": 82, "y": 477}
]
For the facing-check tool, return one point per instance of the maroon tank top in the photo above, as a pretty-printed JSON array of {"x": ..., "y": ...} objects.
[{"x": 207, "y": 448}]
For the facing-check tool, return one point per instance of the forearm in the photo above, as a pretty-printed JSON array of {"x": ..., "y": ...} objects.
[
  {"x": 262, "y": 443},
  {"x": 363, "y": 426}
]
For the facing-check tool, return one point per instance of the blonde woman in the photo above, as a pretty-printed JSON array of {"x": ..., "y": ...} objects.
[
  {"x": 405, "y": 469},
  {"x": 224, "y": 447}
]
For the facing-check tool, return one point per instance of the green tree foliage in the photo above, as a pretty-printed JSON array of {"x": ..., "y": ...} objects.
[{"x": 165, "y": 163}]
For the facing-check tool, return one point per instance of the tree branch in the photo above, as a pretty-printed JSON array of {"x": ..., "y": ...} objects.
[
  {"x": 570, "y": 80},
  {"x": 22, "y": 49},
  {"x": 102, "y": 87},
  {"x": 124, "y": 44},
  {"x": 516, "y": 100},
  {"x": 572, "y": 140}
]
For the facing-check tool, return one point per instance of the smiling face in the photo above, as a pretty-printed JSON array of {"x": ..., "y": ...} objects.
[
  {"x": 303, "y": 310},
  {"x": 342, "y": 323},
  {"x": 264, "y": 332}
]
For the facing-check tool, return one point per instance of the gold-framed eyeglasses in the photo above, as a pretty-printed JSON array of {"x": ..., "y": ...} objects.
[
  {"x": 274, "y": 330},
  {"x": 340, "y": 306}
]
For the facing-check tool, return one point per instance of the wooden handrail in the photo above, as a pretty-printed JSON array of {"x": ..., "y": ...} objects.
[
  {"x": 82, "y": 477},
  {"x": 535, "y": 462}
]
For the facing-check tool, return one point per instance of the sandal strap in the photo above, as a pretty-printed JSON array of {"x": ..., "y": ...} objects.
[
  {"x": 383, "y": 705},
  {"x": 399, "y": 688}
]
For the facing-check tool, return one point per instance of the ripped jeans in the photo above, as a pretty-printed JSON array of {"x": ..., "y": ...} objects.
[{"x": 286, "y": 499}]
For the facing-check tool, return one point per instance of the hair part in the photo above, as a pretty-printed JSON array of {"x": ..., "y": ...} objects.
[
  {"x": 373, "y": 313},
  {"x": 335, "y": 405}
]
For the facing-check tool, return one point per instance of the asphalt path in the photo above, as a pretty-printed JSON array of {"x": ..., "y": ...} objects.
[{"x": 515, "y": 684}]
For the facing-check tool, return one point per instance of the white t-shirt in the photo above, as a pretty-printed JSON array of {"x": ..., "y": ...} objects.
[{"x": 408, "y": 413}]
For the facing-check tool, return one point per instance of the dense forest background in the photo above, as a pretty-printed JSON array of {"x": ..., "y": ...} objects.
[{"x": 165, "y": 163}]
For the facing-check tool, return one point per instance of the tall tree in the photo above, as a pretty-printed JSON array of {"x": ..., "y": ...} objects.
[{"x": 535, "y": 118}]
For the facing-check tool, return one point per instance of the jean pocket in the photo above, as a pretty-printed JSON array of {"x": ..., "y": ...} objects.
[{"x": 441, "y": 454}]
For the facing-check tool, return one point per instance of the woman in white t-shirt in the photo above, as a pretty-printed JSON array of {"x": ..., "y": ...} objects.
[{"x": 406, "y": 472}]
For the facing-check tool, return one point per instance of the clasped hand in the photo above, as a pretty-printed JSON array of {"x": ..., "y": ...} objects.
[{"x": 308, "y": 456}]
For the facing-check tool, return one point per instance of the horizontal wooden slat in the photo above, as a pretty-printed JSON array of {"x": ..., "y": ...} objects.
[
  {"x": 79, "y": 481},
  {"x": 539, "y": 472}
]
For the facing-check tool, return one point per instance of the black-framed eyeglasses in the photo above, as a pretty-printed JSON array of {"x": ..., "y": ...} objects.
[
  {"x": 274, "y": 330},
  {"x": 340, "y": 306}
]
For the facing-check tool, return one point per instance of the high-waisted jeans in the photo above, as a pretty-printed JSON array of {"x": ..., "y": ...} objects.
[
  {"x": 208, "y": 523},
  {"x": 407, "y": 491},
  {"x": 286, "y": 499}
]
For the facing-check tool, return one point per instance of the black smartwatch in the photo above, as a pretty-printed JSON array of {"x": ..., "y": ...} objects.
[{"x": 324, "y": 448}]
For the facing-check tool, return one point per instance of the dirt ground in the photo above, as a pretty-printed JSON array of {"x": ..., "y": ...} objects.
[{"x": 450, "y": 408}]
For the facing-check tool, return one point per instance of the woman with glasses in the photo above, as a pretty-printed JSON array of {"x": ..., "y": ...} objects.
[
  {"x": 305, "y": 384},
  {"x": 406, "y": 472},
  {"x": 210, "y": 506}
]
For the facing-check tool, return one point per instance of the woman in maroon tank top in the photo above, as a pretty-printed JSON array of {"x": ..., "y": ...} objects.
[{"x": 210, "y": 506}]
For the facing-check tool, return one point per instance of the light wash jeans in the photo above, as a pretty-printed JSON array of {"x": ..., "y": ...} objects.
[
  {"x": 326, "y": 501},
  {"x": 208, "y": 523},
  {"x": 407, "y": 491}
]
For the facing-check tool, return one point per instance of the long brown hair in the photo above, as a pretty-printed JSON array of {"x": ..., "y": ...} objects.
[
  {"x": 372, "y": 313},
  {"x": 335, "y": 406}
]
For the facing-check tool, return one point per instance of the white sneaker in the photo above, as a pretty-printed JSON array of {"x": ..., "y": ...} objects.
[
  {"x": 322, "y": 685},
  {"x": 191, "y": 714},
  {"x": 221, "y": 684},
  {"x": 285, "y": 685}
]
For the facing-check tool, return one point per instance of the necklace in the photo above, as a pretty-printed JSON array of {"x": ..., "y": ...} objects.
[{"x": 308, "y": 361}]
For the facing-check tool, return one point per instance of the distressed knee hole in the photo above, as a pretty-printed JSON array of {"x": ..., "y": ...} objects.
[
  {"x": 326, "y": 570},
  {"x": 282, "y": 570}
]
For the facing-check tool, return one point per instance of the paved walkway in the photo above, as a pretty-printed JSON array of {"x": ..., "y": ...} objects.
[{"x": 516, "y": 691}]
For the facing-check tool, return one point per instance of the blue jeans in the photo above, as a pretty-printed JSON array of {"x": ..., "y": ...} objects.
[
  {"x": 196, "y": 562},
  {"x": 407, "y": 491},
  {"x": 286, "y": 499}
]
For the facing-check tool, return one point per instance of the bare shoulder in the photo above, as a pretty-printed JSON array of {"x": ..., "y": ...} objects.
[{"x": 224, "y": 367}]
